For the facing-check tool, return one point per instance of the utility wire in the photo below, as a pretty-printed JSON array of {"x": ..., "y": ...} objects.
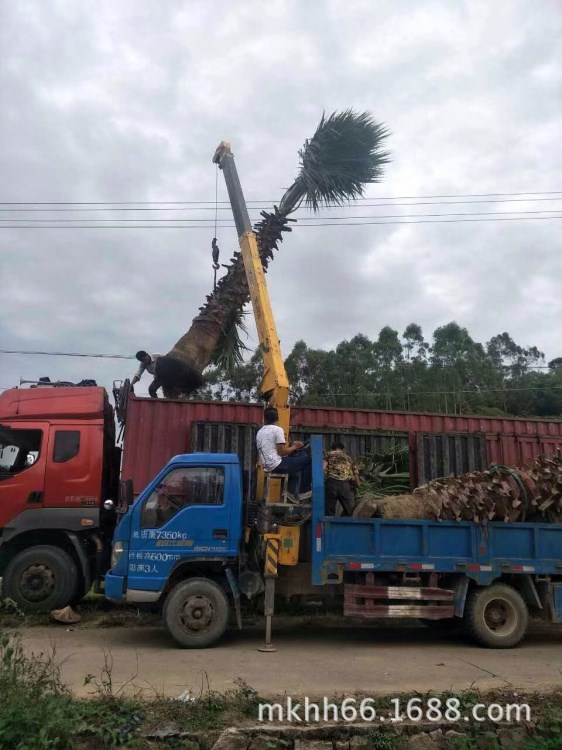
[
  {"x": 127, "y": 356},
  {"x": 67, "y": 354},
  {"x": 260, "y": 208},
  {"x": 306, "y": 218},
  {"x": 435, "y": 393},
  {"x": 226, "y": 226},
  {"x": 388, "y": 198}
]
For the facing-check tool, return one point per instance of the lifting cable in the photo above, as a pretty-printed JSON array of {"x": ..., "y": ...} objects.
[{"x": 214, "y": 247}]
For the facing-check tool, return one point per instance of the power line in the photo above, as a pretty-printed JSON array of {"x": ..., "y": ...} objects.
[
  {"x": 260, "y": 208},
  {"x": 306, "y": 218},
  {"x": 436, "y": 393},
  {"x": 67, "y": 354},
  {"x": 302, "y": 225},
  {"x": 128, "y": 356},
  {"x": 261, "y": 200}
]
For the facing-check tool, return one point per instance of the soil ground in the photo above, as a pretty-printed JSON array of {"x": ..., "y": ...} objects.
[{"x": 316, "y": 656}]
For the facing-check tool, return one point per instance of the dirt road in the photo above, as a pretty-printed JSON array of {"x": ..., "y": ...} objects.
[{"x": 311, "y": 660}]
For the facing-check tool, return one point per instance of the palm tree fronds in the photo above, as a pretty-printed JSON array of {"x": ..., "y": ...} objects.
[
  {"x": 229, "y": 351},
  {"x": 344, "y": 154}
]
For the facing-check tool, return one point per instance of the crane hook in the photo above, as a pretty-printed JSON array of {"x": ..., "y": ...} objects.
[{"x": 215, "y": 254}]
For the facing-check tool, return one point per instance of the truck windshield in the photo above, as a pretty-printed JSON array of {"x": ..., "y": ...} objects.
[
  {"x": 193, "y": 485},
  {"x": 19, "y": 449}
]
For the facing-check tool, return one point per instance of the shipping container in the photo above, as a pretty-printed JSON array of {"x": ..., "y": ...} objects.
[{"x": 439, "y": 444}]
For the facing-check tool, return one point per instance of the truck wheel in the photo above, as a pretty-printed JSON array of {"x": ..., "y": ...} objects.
[
  {"x": 196, "y": 613},
  {"x": 40, "y": 579},
  {"x": 496, "y": 616}
]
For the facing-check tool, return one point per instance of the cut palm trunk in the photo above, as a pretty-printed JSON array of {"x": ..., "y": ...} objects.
[
  {"x": 499, "y": 494},
  {"x": 343, "y": 156}
]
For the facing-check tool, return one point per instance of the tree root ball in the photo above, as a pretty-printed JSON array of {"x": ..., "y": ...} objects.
[{"x": 178, "y": 375}]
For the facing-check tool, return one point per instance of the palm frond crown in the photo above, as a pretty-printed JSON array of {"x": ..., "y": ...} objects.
[{"x": 344, "y": 154}]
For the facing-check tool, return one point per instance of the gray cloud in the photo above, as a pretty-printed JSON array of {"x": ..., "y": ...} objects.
[{"x": 128, "y": 102}]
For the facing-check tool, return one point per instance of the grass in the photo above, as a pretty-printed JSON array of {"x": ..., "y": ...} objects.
[
  {"x": 40, "y": 713},
  {"x": 95, "y": 611}
]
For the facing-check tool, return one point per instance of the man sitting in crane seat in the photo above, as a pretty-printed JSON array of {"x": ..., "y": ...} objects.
[{"x": 277, "y": 458}]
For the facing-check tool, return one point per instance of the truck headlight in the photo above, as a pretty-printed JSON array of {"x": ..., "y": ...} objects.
[{"x": 117, "y": 553}]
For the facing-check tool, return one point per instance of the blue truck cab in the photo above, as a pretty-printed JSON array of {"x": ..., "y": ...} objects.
[
  {"x": 188, "y": 543},
  {"x": 191, "y": 512}
]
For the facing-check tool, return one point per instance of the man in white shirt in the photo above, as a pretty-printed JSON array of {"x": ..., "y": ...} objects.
[
  {"x": 276, "y": 457},
  {"x": 148, "y": 362}
]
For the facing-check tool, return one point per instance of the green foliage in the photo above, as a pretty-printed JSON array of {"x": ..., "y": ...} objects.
[
  {"x": 452, "y": 373},
  {"x": 229, "y": 351},
  {"x": 39, "y": 713},
  {"x": 386, "y": 472},
  {"x": 548, "y": 736},
  {"x": 210, "y": 709},
  {"x": 9, "y": 607},
  {"x": 383, "y": 740}
]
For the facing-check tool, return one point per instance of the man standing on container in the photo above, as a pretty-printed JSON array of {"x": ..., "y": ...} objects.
[
  {"x": 277, "y": 458},
  {"x": 149, "y": 363},
  {"x": 342, "y": 477}
]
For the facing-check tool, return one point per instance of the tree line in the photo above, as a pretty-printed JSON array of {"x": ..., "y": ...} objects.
[{"x": 451, "y": 373}]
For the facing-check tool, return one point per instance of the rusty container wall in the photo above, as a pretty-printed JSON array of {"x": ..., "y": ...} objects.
[
  {"x": 157, "y": 429},
  {"x": 241, "y": 439},
  {"x": 441, "y": 455}
]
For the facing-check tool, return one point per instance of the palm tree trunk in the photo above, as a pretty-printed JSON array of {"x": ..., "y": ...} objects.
[{"x": 194, "y": 350}]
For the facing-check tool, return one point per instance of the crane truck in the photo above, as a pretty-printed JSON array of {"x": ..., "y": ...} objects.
[{"x": 191, "y": 543}]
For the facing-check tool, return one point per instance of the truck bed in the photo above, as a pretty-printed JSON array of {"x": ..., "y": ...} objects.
[{"x": 483, "y": 553}]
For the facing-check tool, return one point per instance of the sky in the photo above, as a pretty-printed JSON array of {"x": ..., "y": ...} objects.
[{"x": 124, "y": 101}]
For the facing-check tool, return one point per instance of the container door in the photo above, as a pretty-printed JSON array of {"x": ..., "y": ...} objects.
[
  {"x": 23, "y": 456},
  {"x": 187, "y": 515},
  {"x": 447, "y": 454}
]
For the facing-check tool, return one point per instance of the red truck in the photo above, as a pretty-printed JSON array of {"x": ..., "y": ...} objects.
[
  {"x": 59, "y": 474},
  {"x": 59, "y": 467}
]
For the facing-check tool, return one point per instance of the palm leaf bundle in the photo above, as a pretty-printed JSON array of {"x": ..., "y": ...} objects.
[{"x": 500, "y": 493}]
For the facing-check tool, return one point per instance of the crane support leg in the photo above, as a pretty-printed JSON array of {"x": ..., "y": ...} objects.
[{"x": 271, "y": 559}]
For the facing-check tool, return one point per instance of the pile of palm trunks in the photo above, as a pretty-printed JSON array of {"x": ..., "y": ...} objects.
[{"x": 501, "y": 493}]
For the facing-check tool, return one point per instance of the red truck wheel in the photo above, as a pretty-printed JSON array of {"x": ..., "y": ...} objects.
[
  {"x": 496, "y": 616},
  {"x": 40, "y": 579},
  {"x": 196, "y": 613}
]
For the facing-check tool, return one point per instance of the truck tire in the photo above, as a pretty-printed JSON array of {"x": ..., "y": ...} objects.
[
  {"x": 40, "y": 579},
  {"x": 496, "y": 616},
  {"x": 196, "y": 613}
]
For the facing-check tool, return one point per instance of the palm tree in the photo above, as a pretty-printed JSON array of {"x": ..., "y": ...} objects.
[{"x": 344, "y": 154}]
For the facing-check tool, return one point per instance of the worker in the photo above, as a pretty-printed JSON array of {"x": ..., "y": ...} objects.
[
  {"x": 342, "y": 477},
  {"x": 149, "y": 363},
  {"x": 276, "y": 457}
]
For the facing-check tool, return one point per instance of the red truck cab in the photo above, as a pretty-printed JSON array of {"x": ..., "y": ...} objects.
[{"x": 59, "y": 474}]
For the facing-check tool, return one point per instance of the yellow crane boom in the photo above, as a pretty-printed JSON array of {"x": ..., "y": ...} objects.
[{"x": 275, "y": 384}]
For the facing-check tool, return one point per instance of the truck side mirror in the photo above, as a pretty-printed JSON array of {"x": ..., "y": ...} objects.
[{"x": 126, "y": 495}]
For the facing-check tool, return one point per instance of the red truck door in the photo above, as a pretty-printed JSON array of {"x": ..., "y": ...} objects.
[
  {"x": 74, "y": 466},
  {"x": 23, "y": 459}
]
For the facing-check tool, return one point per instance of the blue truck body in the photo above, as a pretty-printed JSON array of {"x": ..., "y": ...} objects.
[{"x": 448, "y": 559}]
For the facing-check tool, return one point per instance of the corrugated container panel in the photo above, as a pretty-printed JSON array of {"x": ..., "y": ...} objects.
[
  {"x": 209, "y": 437},
  {"x": 157, "y": 429},
  {"x": 440, "y": 455}
]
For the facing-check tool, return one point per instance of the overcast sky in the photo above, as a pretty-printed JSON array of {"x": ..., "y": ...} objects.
[{"x": 126, "y": 101}]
